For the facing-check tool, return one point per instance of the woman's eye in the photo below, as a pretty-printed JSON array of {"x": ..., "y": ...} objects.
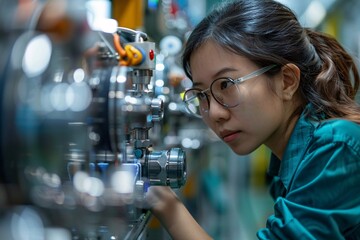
[
  {"x": 201, "y": 95},
  {"x": 225, "y": 84}
]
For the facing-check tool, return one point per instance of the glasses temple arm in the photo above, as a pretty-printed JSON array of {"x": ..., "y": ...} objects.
[{"x": 255, "y": 74}]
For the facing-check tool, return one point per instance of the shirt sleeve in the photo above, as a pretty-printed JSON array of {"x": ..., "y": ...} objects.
[{"x": 322, "y": 200}]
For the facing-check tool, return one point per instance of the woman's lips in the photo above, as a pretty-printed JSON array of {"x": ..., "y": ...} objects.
[{"x": 230, "y": 137}]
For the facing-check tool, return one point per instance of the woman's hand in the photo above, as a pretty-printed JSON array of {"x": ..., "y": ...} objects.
[
  {"x": 161, "y": 199},
  {"x": 171, "y": 212}
]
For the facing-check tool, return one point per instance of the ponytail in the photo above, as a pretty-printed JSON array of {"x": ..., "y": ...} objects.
[{"x": 334, "y": 89}]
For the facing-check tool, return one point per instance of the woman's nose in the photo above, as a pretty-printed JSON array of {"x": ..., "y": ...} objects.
[{"x": 218, "y": 112}]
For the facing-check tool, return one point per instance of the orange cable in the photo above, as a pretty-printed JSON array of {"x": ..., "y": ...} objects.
[{"x": 118, "y": 46}]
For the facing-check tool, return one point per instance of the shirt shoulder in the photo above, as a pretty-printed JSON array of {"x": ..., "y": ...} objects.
[
  {"x": 331, "y": 155},
  {"x": 338, "y": 131},
  {"x": 317, "y": 184}
]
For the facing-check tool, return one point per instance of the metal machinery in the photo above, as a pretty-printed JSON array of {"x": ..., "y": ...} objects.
[{"x": 77, "y": 121}]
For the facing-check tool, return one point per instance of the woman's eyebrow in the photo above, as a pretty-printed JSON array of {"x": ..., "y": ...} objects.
[
  {"x": 196, "y": 84},
  {"x": 224, "y": 71},
  {"x": 221, "y": 73}
]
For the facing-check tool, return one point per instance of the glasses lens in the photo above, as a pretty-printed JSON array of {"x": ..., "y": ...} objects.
[
  {"x": 226, "y": 92},
  {"x": 196, "y": 102}
]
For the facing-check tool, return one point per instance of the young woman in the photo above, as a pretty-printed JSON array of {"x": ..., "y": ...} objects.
[{"x": 259, "y": 77}]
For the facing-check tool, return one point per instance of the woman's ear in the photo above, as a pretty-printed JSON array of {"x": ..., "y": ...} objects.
[{"x": 291, "y": 80}]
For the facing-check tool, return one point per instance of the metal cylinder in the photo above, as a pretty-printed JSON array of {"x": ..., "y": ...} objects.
[{"x": 166, "y": 168}]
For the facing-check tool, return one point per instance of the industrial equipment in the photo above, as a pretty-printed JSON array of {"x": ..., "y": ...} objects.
[{"x": 77, "y": 120}]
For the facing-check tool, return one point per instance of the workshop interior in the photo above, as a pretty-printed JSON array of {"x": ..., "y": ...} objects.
[{"x": 92, "y": 116}]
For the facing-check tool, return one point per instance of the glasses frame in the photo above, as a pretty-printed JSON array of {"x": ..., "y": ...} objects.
[{"x": 235, "y": 81}]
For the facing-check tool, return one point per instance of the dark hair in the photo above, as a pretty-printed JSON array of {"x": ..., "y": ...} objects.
[{"x": 267, "y": 32}]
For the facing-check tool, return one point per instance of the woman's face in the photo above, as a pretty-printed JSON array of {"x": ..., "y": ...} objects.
[{"x": 258, "y": 119}]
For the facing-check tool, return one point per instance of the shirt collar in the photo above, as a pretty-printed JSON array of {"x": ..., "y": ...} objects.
[{"x": 294, "y": 150}]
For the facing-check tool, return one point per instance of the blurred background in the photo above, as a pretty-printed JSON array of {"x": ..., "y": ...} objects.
[{"x": 227, "y": 194}]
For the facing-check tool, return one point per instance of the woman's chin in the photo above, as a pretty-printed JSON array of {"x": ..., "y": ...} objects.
[{"x": 242, "y": 150}]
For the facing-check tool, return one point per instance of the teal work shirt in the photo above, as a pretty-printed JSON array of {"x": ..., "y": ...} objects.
[{"x": 316, "y": 186}]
